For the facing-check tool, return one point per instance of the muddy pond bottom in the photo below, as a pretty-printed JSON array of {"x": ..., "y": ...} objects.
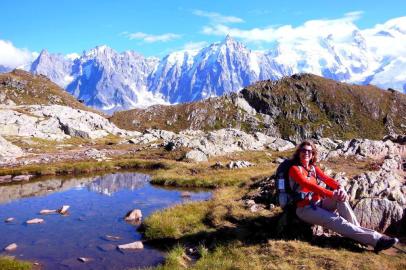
[{"x": 94, "y": 225}]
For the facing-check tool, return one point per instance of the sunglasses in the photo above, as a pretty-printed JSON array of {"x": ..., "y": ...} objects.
[{"x": 306, "y": 151}]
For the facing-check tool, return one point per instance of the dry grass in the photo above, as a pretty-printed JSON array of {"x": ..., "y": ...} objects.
[{"x": 202, "y": 175}]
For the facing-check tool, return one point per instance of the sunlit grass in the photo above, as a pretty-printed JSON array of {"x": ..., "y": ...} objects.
[{"x": 9, "y": 263}]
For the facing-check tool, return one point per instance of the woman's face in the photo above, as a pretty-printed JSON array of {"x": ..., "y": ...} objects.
[{"x": 306, "y": 154}]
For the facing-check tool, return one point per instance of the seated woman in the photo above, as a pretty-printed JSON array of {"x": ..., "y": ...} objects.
[{"x": 320, "y": 205}]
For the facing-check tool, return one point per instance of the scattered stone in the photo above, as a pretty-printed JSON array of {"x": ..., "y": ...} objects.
[
  {"x": 133, "y": 215},
  {"x": 249, "y": 203},
  {"x": 35, "y": 221},
  {"x": 217, "y": 165},
  {"x": 279, "y": 160},
  {"x": 47, "y": 212},
  {"x": 5, "y": 178},
  {"x": 24, "y": 177},
  {"x": 63, "y": 210},
  {"x": 11, "y": 247},
  {"x": 9, "y": 220},
  {"x": 131, "y": 246},
  {"x": 84, "y": 259},
  {"x": 239, "y": 164},
  {"x": 106, "y": 247},
  {"x": 185, "y": 194},
  {"x": 111, "y": 237}
]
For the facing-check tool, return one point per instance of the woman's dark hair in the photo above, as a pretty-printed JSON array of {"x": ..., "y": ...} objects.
[{"x": 296, "y": 155}]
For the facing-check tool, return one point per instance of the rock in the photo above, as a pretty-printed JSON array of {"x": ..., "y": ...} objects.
[
  {"x": 131, "y": 246},
  {"x": 280, "y": 145},
  {"x": 5, "y": 178},
  {"x": 196, "y": 156},
  {"x": 63, "y": 210},
  {"x": 84, "y": 259},
  {"x": 133, "y": 215},
  {"x": 111, "y": 237},
  {"x": 279, "y": 160},
  {"x": 249, "y": 203},
  {"x": 9, "y": 220},
  {"x": 55, "y": 122},
  {"x": 9, "y": 151},
  {"x": 35, "y": 221},
  {"x": 106, "y": 247},
  {"x": 378, "y": 214},
  {"x": 185, "y": 194},
  {"x": 47, "y": 212},
  {"x": 217, "y": 165},
  {"x": 239, "y": 164},
  {"x": 24, "y": 177},
  {"x": 11, "y": 247}
]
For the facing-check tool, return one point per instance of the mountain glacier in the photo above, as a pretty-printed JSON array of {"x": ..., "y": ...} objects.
[{"x": 111, "y": 81}]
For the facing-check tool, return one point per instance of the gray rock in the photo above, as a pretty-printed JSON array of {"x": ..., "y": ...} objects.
[
  {"x": 56, "y": 122},
  {"x": 131, "y": 246},
  {"x": 9, "y": 151},
  {"x": 378, "y": 214},
  {"x": 280, "y": 145},
  {"x": 23, "y": 177},
  {"x": 239, "y": 164},
  {"x": 196, "y": 156},
  {"x": 35, "y": 221},
  {"x": 133, "y": 215},
  {"x": 11, "y": 247}
]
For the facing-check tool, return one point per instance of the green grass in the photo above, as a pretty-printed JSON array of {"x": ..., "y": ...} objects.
[
  {"x": 81, "y": 167},
  {"x": 9, "y": 263},
  {"x": 177, "y": 221}
]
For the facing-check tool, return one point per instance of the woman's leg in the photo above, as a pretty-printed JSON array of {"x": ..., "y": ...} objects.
[
  {"x": 338, "y": 224},
  {"x": 343, "y": 208}
]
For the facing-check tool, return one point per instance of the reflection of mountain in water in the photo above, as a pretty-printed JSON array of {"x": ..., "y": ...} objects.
[
  {"x": 108, "y": 184},
  {"x": 38, "y": 188}
]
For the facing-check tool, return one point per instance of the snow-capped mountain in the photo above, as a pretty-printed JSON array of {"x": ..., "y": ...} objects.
[{"x": 110, "y": 81}]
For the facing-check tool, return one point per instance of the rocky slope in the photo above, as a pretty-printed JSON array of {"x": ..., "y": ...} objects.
[
  {"x": 22, "y": 88},
  {"x": 293, "y": 108}
]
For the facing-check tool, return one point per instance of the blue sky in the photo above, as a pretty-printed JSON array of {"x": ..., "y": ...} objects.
[{"x": 157, "y": 27}]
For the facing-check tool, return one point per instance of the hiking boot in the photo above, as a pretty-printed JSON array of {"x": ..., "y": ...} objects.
[{"x": 385, "y": 242}]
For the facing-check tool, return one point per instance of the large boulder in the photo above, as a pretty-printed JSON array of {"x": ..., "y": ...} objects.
[
  {"x": 378, "y": 214},
  {"x": 8, "y": 150},
  {"x": 56, "y": 122}
]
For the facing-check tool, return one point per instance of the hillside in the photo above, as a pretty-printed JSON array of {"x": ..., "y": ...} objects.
[
  {"x": 22, "y": 88},
  {"x": 293, "y": 108}
]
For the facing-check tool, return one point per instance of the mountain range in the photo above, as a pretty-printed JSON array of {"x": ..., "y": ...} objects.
[{"x": 111, "y": 81}]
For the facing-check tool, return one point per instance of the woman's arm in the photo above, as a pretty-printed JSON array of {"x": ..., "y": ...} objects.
[
  {"x": 298, "y": 177},
  {"x": 326, "y": 179}
]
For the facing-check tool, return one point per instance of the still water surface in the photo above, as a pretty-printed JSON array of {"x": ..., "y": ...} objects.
[{"x": 97, "y": 207}]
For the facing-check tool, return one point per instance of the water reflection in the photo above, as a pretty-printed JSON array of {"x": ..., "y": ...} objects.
[
  {"x": 111, "y": 183},
  {"x": 60, "y": 240}
]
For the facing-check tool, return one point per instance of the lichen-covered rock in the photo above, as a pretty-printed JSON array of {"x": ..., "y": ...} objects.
[
  {"x": 56, "y": 122},
  {"x": 196, "y": 156},
  {"x": 9, "y": 150},
  {"x": 378, "y": 214}
]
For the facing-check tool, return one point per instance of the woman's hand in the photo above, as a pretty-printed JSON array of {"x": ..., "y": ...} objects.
[{"x": 340, "y": 195}]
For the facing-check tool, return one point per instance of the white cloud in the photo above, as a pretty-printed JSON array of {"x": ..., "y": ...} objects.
[
  {"x": 217, "y": 17},
  {"x": 149, "y": 38},
  {"x": 309, "y": 30},
  {"x": 13, "y": 57},
  {"x": 195, "y": 45}
]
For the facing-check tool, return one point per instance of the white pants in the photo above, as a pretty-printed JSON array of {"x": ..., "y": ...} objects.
[{"x": 343, "y": 222}]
